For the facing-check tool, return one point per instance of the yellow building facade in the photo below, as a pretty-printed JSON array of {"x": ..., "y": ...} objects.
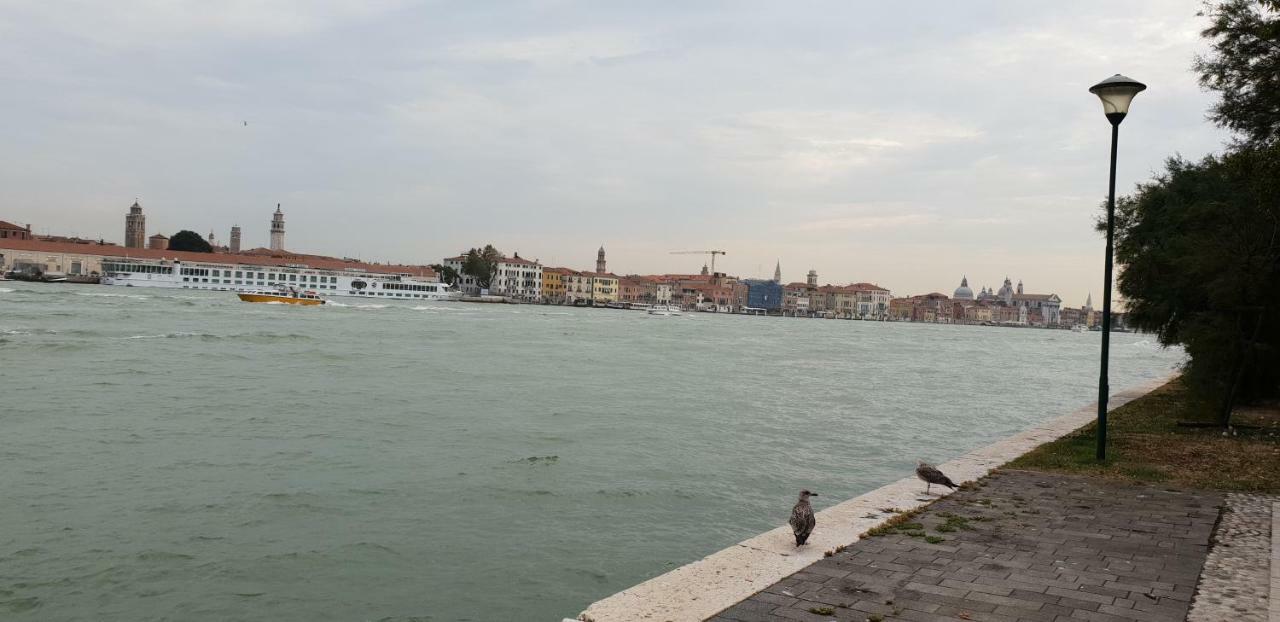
[
  {"x": 604, "y": 288},
  {"x": 553, "y": 284}
]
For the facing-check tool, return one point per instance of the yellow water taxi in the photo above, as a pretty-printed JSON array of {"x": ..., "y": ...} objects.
[{"x": 286, "y": 295}]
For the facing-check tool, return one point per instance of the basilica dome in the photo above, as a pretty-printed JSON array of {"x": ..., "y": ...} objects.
[{"x": 963, "y": 292}]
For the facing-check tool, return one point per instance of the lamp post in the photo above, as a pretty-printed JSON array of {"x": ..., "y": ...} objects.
[{"x": 1116, "y": 93}]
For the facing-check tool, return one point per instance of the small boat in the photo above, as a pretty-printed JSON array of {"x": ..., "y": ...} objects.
[
  {"x": 664, "y": 310},
  {"x": 286, "y": 295},
  {"x": 1080, "y": 328}
]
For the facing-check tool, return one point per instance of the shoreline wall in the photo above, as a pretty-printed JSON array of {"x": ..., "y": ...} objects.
[{"x": 701, "y": 589}]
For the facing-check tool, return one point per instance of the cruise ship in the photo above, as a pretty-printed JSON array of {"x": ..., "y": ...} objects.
[{"x": 355, "y": 283}]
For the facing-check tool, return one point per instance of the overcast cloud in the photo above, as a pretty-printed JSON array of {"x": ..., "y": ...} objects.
[{"x": 904, "y": 144}]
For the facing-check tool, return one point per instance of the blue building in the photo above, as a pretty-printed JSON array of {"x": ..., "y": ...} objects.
[{"x": 762, "y": 294}]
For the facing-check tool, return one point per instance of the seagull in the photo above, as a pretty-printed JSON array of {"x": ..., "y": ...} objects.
[
  {"x": 802, "y": 520},
  {"x": 931, "y": 475}
]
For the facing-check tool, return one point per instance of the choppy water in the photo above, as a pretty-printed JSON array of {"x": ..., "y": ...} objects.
[{"x": 185, "y": 456}]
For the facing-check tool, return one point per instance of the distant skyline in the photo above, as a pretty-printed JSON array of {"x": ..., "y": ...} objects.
[{"x": 899, "y": 146}]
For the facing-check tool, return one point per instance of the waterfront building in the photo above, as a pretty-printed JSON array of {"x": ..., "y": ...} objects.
[
  {"x": 795, "y": 299},
  {"x": 901, "y": 309},
  {"x": 590, "y": 288},
  {"x": 10, "y": 231},
  {"x": 135, "y": 227},
  {"x": 235, "y": 239},
  {"x": 841, "y": 301},
  {"x": 466, "y": 283},
  {"x": 604, "y": 288},
  {"x": 1043, "y": 309},
  {"x": 1070, "y": 316},
  {"x": 577, "y": 286},
  {"x": 763, "y": 294},
  {"x": 933, "y": 307},
  {"x": 872, "y": 300},
  {"x": 638, "y": 289},
  {"x": 158, "y": 242},
  {"x": 553, "y": 284},
  {"x": 517, "y": 278},
  {"x": 71, "y": 258},
  {"x": 277, "y": 230},
  {"x": 976, "y": 313}
]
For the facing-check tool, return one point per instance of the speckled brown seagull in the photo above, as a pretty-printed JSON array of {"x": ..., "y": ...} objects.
[
  {"x": 931, "y": 475},
  {"x": 802, "y": 520}
]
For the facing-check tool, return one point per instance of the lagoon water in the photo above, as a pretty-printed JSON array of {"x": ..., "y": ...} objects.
[{"x": 184, "y": 456}]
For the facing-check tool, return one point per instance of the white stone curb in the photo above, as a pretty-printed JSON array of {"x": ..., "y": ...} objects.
[
  {"x": 1273, "y": 604},
  {"x": 697, "y": 591}
]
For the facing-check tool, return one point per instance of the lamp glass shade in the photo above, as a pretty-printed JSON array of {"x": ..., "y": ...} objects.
[{"x": 1116, "y": 93}]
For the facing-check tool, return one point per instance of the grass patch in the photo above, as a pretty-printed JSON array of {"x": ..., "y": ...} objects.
[
  {"x": 822, "y": 611},
  {"x": 892, "y": 525},
  {"x": 1146, "y": 444},
  {"x": 934, "y": 539}
]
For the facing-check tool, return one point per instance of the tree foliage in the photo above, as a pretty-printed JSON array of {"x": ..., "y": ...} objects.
[
  {"x": 1199, "y": 248},
  {"x": 448, "y": 275},
  {"x": 189, "y": 241},
  {"x": 482, "y": 265},
  {"x": 1244, "y": 67}
]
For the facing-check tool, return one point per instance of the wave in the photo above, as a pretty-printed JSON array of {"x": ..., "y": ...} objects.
[
  {"x": 178, "y": 335},
  {"x": 330, "y": 303},
  {"x": 255, "y": 336},
  {"x": 28, "y": 331},
  {"x": 102, "y": 295},
  {"x": 6, "y": 290}
]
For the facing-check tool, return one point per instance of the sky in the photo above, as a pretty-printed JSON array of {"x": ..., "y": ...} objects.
[{"x": 906, "y": 144}]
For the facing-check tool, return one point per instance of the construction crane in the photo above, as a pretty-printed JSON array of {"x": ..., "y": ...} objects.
[{"x": 712, "y": 253}]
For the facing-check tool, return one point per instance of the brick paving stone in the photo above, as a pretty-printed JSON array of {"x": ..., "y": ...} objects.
[{"x": 1028, "y": 547}]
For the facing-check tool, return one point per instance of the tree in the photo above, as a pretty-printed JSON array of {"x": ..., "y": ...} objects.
[
  {"x": 1200, "y": 251},
  {"x": 1244, "y": 67},
  {"x": 482, "y": 265},
  {"x": 447, "y": 274},
  {"x": 189, "y": 241}
]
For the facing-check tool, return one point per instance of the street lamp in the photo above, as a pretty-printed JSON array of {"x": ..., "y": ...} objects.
[{"x": 1116, "y": 93}]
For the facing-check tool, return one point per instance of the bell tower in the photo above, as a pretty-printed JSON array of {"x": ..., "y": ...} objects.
[{"x": 277, "y": 230}]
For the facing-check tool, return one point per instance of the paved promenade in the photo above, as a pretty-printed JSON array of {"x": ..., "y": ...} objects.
[{"x": 1020, "y": 546}]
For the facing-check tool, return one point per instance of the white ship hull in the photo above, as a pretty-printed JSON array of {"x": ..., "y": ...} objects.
[{"x": 249, "y": 278}]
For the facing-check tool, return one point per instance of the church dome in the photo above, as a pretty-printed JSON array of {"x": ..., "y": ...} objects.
[{"x": 963, "y": 292}]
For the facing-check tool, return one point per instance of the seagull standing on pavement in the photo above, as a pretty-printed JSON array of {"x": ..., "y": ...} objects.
[
  {"x": 931, "y": 475},
  {"x": 802, "y": 520}
]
